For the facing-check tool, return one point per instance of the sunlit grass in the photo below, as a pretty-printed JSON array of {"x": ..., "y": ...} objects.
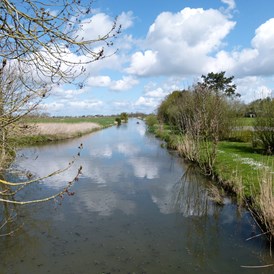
[
  {"x": 239, "y": 161},
  {"x": 103, "y": 121}
]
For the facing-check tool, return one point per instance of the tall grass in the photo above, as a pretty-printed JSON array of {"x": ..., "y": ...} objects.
[
  {"x": 264, "y": 202},
  {"x": 240, "y": 169},
  {"x": 103, "y": 121}
]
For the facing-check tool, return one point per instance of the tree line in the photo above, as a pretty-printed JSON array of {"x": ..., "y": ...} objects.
[{"x": 206, "y": 113}]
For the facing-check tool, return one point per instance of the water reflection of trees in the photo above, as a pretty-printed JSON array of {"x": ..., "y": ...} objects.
[
  {"x": 192, "y": 199},
  {"x": 190, "y": 194}
]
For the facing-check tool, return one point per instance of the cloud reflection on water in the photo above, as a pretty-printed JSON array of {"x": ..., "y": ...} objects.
[{"x": 113, "y": 162}]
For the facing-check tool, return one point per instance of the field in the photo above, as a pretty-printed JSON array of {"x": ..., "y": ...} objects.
[
  {"x": 104, "y": 121},
  {"x": 34, "y": 130}
]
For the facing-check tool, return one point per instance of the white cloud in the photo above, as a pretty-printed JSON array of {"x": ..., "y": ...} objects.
[
  {"x": 147, "y": 102},
  {"x": 181, "y": 43},
  {"x": 87, "y": 104},
  {"x": 143, "y": 63},
  {"x": 252, "y": 88},
  {"x": 99, "y": 81},
  {"x": 125, "y": 83},
  {"x": 125, "y": 19},
  {"x": 231, "y": 4},
  {"x": 67, "y": 93},
  {"x": 256, "y": 60},
  {"x": 52, "y": 107},
  {"x": 157, "y": 93},
  {"x": 95, "y": 27},
  {"x": 144, "y": 168},
  {"x": 154, "y": 93}
]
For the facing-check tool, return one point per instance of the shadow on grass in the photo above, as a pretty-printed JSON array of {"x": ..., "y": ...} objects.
[{"x": 242, "y": 148}]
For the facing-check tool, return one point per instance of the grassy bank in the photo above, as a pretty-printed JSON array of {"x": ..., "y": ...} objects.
[
  {"x": 240, "y": 169},
  {"x": 104, "y": 121},
  {"x": 42, "y": 130}
]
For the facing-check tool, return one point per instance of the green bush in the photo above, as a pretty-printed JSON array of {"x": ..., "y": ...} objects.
[
  {"x": 118, "y": 120},
  {"x": 264, "y": 125},
  {"x": 151, "y": 120}
]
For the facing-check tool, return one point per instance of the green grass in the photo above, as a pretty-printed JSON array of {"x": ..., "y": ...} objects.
[
  {"x": 239, "y": 161},
  {"x": 244, "y": 122},
  {"x": 103, "y": 121}
]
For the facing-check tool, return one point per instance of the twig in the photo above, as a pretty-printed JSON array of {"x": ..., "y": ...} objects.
[
  {"x": 257, "y": 266},
  {"x": 59, "y": 194},
  {"x": 258, "y": 235}
]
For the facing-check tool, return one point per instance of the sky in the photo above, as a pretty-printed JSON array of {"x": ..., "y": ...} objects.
[{"x": 167, "y": 45}]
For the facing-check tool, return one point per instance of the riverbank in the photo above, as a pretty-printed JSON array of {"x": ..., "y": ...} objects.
[
  {"x": 48, "y": 132},
  {"x": 238, "y": 169},
  {"x": 43, "y": 130}
]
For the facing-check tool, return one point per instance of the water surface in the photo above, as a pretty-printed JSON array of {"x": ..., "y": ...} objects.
[{"x": 137, "y": 208}]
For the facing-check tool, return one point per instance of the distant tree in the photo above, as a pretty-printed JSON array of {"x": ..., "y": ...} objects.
[
  {"x": 218, "y": 83},
  {"x": 118, "y": 120},
  {"x": 124, "y": 117}
]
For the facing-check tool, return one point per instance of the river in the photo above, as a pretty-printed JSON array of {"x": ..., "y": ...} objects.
[{"x": 137, "y": 208}]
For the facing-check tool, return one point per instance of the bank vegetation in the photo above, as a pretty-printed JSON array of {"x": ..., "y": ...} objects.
[{"x": 231, "y": 142}]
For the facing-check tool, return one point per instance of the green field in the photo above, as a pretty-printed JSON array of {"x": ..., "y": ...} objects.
[{"x": 239, "y": 163}]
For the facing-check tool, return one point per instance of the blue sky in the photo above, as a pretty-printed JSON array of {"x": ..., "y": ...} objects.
[{"x": 166, "y": 46}]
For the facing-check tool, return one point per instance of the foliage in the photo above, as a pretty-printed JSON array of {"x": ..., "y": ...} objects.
[
  {"x": 164, "y": 112},
  {"x": 124, "y": 117},
  {"x": 203, "y": 115},
  {"x": 118, "y": 120},
  {"x": 202, "y": 118},
  {"x": 151, "y": 120},
  {"x": 218, "y": 83},
  {"x": 264, "y": 125}
]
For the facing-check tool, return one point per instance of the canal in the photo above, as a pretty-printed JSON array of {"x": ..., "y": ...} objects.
[{"x": 137, "y": 208}]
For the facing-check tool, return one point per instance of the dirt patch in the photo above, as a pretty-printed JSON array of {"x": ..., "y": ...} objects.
[{"x": 63, "y": 128}]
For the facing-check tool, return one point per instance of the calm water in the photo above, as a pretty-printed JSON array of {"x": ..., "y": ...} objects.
[{"x": 137, "y": 208}]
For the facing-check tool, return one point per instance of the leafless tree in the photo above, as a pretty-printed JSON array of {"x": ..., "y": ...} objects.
[{"x": 42, "y": 44}]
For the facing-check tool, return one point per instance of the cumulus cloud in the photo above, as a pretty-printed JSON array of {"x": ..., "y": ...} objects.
[
  {"x": 256, "y": 60},
  {"x": 87, "y": 104},
  {"x": 99, "y": 81},
  {"x": 143, "y": 63},
  {"x": 154, "y": 93},
  {"x": 125, "y": 19},
  {"x": 252, "y": 88},
  {"x": 52, "y": 107},
  {"x": 127, "y": 82},
  {"x": 180, "y": 43},
  {"x": 95, "y": 27}
]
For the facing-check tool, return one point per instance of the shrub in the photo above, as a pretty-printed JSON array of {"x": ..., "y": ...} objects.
[
  {"x": 118, "y": 120},
  {"x": 264, "y": 125}
]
